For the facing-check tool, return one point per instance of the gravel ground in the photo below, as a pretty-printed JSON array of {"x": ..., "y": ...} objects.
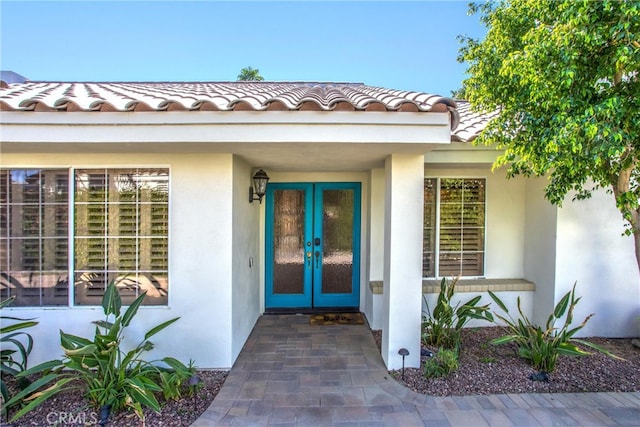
[
  {"x": 71, "y": 409},
  {"x": 484, "y": 369},
  {"x": 488, "y": 369}
]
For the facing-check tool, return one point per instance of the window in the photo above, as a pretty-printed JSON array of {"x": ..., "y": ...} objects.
[
  {"x": 454, "y": 227},
  {"x": 34, "y": 213},
  {"x": 119, "y": 232}
]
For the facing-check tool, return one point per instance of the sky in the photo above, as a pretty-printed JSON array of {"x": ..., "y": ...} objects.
[{"x": 398, "y": 45}]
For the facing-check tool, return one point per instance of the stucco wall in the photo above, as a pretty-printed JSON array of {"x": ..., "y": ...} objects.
[
  {"x": 510, "y": 299},
  {"x": 200, "y": 277},
  {"x": 593, "y": 252},
  {"x": 540, "y": 248},
  {"x": 505, "y": 212},
  {"x": 373, "y": 303},
  {"x": 247, "y": 263},
  {"x": 505, "y": 234},
  {"x": 404, "y": 189}
]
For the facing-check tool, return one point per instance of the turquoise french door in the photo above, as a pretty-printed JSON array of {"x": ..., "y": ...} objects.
[{"x": 312, "y": 245}]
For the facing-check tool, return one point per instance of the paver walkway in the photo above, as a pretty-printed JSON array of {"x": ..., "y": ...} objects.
[{"x": 290, "y": 373}]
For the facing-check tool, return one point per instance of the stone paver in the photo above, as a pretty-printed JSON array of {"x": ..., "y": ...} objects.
[{"x": 291, "y": 373}]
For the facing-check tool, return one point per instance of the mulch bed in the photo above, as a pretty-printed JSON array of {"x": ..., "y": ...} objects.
[
  {"x": 72, "y": 409},
  {"x": 484, "y": 369},
  {"x": 489, "y": 369}
]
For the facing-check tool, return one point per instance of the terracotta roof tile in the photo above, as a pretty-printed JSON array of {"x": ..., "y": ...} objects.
[
  {"x": 238, "y": 96},
  {"x": 471, "y": 123},
  {"x": 219, "y": 96}
]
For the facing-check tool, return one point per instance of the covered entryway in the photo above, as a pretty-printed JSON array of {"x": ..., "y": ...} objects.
[
  {"x": 312, "y": 246},
  {"x": 211, "y": 136}
]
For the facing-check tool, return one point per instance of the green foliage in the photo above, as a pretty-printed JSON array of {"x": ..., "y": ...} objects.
[
  {"x": 15, "y": 347},
  {"x": 111, "y": 376},
  {"x": 541, "y": 347},
  {"x": 444, "y": 362},
  {"x": 175, "y": 380},
  {"x": 460, "y": 93},
  {"x": 442, "y": 327},
  {"x": 564, "y": 76},
  {"x": 250, "y": 74}
]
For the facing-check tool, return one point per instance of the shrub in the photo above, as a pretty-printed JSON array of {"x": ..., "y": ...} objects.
[
  {"x": 541, "y": 347},
  {"x": 15, "y": 347},
  {"x": 441, "y": 328},
  {"x": 175, "y": 380},
  {"x": 442, "y": 364},
  {"x": 113, "y": 378}
]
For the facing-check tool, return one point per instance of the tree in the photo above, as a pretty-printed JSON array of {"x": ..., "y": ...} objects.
[
  {"x": 460, "y": 93},
  {"x": 249, "y": 74},
  {"x": 564, "y": 76}
]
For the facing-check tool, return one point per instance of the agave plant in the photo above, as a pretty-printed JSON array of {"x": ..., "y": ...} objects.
[
  {"x": 541, "y": 347},
  {"x": 15, "y": 347},
  {"x": 113, "y": 378},
  {"x": 442, "y": 326}
]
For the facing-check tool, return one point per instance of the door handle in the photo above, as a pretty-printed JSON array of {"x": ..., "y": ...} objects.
[
  {"x": 317, "y": 258},
  {"x": 308, "y": 258}
]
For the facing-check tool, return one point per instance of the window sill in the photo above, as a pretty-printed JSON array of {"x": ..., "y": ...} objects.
[
  {"x": 432, "y": 286},
  {"x": 377, "y": 287},
  {"x": 481, "y": 285}
]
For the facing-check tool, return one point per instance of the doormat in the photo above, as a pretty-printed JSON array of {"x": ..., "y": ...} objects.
[{"x": 336, "y": 319}]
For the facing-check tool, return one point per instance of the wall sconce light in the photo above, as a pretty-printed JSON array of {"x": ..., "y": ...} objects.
[{"x": 260, "y": 180}]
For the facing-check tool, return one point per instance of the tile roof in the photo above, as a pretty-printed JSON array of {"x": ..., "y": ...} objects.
[
  {"x": 257, "y": 96},
  {"x": 233, "y": 96},
  {"x": 470, "y": 122}
]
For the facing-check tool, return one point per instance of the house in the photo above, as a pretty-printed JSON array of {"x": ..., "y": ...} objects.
[{"x": 373, "y": 194}]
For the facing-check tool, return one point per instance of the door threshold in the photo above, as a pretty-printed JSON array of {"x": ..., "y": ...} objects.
[{"x": 310, "y": 310}]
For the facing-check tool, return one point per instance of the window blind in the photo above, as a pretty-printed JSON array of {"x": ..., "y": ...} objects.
[
  {"x": 460, "y": 229},
  {"x": 121, "y": 234}
]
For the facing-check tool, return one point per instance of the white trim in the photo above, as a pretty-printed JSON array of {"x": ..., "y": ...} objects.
[
  {"x": 329, "y": 118},
  {"x": 71, "y": 246},
  {"x": 214, "y": 133},
  {"x": 116, "y": 129}
]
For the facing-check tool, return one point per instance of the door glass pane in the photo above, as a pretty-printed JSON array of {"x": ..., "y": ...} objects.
[
  {"x": 288, "y": 242},
  {"x": 337, "y": 231}
]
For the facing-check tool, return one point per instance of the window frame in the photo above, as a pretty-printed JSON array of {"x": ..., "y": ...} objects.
[
  {"x": 16, "y": 212},
  {"x": 70, "y": 172},
  {"x": 436, "y": 258}
]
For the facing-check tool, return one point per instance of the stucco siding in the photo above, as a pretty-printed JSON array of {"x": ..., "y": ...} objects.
[
  {"x": 509, "y": 298},
  {"x": 540, "y": 248},
  {"x": 247, "y": 262},
  {"x": 373, "y": 303},
  {"x": 404, "y": 184},
  {"x": 592, "y": 251},
  {"x": 200, "y": 261},
  {"x": 505, "y": 210}
]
